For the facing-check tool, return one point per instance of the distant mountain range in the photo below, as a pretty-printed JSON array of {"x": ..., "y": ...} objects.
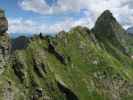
[
  {"x": 130, "y": 30},
  {"x": 16, "y": 35},
  {"x": 20, "y": 43}
]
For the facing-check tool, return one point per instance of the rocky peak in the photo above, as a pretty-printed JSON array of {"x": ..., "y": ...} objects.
[
  {"x": 108, "y": 28},
  {"x": 106, "y": 23},
  {"x": 107, "y": 14}
]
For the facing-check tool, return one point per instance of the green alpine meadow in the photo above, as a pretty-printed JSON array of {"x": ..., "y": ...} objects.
[{"x": 80, "y": 64}]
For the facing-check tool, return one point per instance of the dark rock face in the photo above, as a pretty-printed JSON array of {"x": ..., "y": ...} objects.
[
  {"x": 103, "y": 23},
  {"x": 59, "y": 56},
  {"x": 67, "y": 92},
  {"x": 3, "y": 22},
  {"x": 108, "y": 29},
  {"x": 4, "y": 40},
  {"x": 19, "y": 43},
  {"x": 18, "y": 68}
]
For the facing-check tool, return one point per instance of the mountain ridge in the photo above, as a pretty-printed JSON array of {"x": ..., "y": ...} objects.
[{"x": 74, "y": 65}]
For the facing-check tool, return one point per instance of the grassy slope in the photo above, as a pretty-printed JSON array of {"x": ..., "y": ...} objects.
[{"x": 90, "y": 71}]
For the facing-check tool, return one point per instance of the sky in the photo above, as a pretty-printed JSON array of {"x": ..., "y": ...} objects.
[{"x": 52, "y": 16}]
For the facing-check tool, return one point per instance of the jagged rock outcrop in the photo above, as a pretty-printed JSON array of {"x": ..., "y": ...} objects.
[
  {"x": 67, "y": 92},
  {"x": 108, "y": 29},
  {"x": 4, "y": 40},
  {"x": 59, "y": 56}
]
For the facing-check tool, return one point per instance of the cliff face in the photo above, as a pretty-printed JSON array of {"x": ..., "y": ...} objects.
[
  {"x": 4, "y": 40},
  {"x": 74, "y": 65},
  {"x": 108, "y": 29},
  {"x": 19, "y": 43}
]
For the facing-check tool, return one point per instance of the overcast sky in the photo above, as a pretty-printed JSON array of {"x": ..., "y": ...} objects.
[{"x": 52, "y": 16}]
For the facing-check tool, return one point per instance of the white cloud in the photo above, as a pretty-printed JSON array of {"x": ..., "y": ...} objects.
[
  {"x": 38, "y": 6},
  {"x": 41, "y": 7},
  {"x": 29, "y": 26},
  {"x": 122, "y": 9}
]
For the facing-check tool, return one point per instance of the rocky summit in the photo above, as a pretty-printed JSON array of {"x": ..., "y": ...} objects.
[
  {"x": 81, "y": 64},
  {"x": 110, "y": 33}
]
